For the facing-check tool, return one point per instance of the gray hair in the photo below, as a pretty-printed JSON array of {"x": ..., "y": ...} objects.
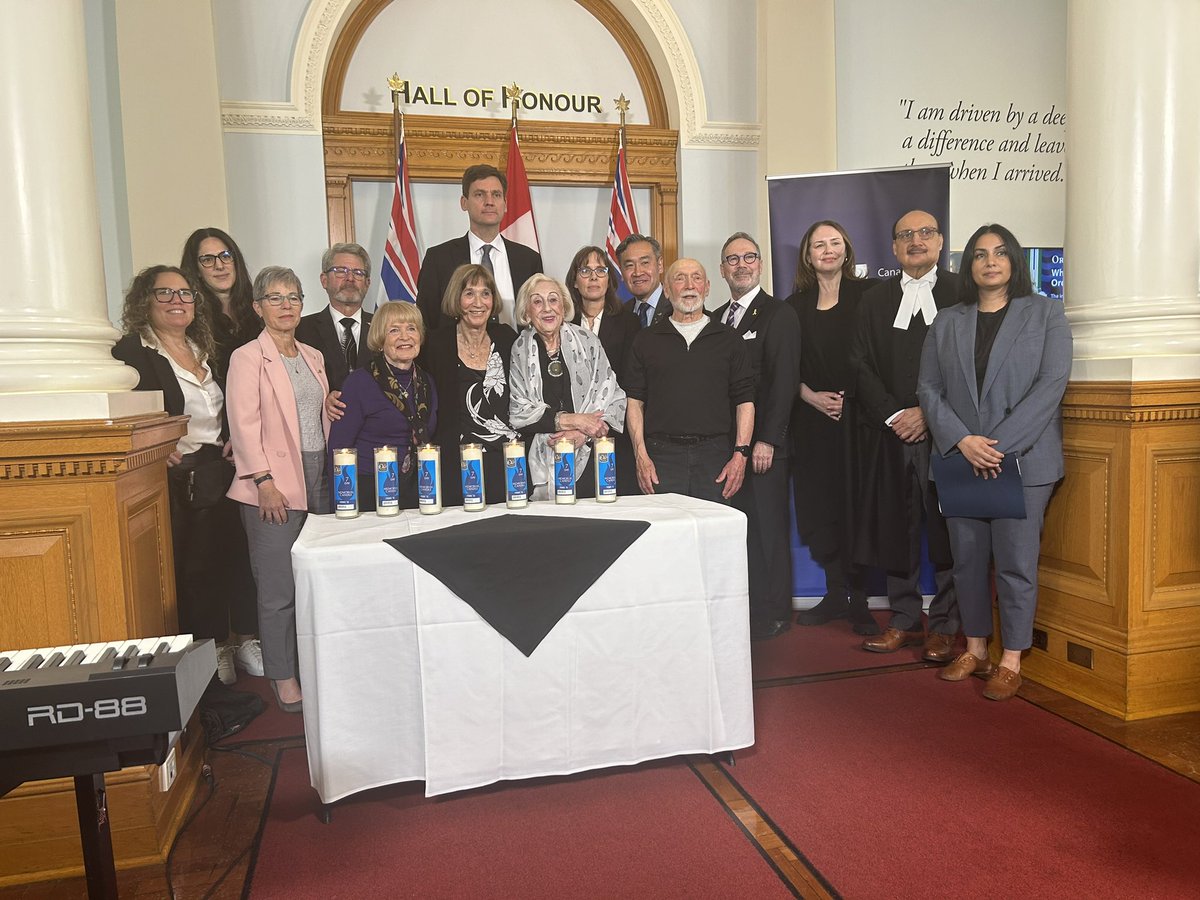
[
  {"x": 521, "y": 304},
  {"x": 739, "y": 236},
  {"x": 275, "y": 275},
  {"x": 355, "y": 249}
]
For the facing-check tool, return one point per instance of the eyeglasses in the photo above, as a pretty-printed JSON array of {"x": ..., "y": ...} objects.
[
  {"x": 278, "y": 299},
  {"x": 164, "y": 295},
  {"x": 589, "y": 271},
  {"x": 733, "y": 259},
  {"x": 208, "y": 260},
  {"x": 908, "y": 234},
  {"x": 346, "y": 272}
]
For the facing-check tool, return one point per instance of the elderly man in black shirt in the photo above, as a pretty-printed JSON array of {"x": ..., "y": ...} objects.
[{"x": 690, "y": 385}]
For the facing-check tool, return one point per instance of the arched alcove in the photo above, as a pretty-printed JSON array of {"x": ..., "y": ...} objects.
[{"x": 359, "y": 145}]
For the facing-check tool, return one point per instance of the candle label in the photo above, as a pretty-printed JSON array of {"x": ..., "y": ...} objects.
[
  {"x": 516, "y": 480},
  {"x": 388, "y": 491},
  {"x": 427, "y": 482},
  {"x": 345, "y": 479},
  {"x": 472, "y": 481},
  {"x": 606, "y": 471},
  {"x": 564, "y": 473}
]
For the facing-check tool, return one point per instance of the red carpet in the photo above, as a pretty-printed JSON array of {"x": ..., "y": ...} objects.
[
  {"x": 818, "y": 649},
  {"x": 650, "y": 831},
  {"x": 901, "y": 785}
]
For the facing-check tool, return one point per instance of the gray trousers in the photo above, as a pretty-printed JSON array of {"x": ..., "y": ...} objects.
[
  {"x": 271, "y": 561},
  {"x": 1014, "y": 544},
  {"x": 904, "y": 591}
]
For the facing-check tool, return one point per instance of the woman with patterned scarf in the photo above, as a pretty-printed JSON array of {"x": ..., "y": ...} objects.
[
  {"x": 562, "y": 385},
  {"x": 389, "y": 402}
]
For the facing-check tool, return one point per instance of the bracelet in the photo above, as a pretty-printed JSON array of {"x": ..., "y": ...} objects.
[
  {"x": 558, "y": 421},
  {"x": 263, "y": 479}
]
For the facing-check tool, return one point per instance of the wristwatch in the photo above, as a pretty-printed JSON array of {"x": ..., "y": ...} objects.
[
  {"x": 743, "y": 449},
  {"x": 259, "y": 481}
]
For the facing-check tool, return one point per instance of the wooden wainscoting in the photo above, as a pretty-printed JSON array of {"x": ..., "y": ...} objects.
[
  {"x": 85, "y": 555},
  {"x": 1119, "y": 598}
]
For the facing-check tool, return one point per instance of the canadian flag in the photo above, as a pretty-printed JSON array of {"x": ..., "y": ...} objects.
[{"x": 517, "y": 224}]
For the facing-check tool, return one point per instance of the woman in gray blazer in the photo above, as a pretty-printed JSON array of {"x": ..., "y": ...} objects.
[{"x": 993, "y": 372}]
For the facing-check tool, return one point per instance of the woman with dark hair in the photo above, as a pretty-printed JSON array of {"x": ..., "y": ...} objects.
[
  {"x": 277, "y": 390},
  {"x": 169, "y": 341},
  {"x": 994, "y": 368},
  {"x": 826, "y": 300},
  {"x": 389, "y": 401},
  {"x": 212, "y": 259},
  {"x": 469, "y": 364},
  {"x": 592, "y": 284}
]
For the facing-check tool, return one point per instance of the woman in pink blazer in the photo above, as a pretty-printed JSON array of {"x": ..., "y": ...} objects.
[{"x": 275, "y": 397}]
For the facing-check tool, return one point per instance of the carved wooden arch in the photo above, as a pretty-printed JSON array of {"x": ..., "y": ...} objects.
[{"x": 359, "y": 145}]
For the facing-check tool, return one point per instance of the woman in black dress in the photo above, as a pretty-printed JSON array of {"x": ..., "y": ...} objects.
[
  {"x": 827, "y": 293},
  {"x": 469, "y": 365}
]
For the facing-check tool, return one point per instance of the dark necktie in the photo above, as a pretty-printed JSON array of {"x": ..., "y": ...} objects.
[
  {"x": 487, "y": 249},
  {"x": 644, "y": 312},
  {"x": 349, "y": 347},
  {"x": 731, "y": 319}
]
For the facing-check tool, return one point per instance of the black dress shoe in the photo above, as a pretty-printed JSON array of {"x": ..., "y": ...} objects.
[
  {"x": 829, "y": 609},
  {"x": 764, "y": 631},
  {"x": 860, "y": 617}
]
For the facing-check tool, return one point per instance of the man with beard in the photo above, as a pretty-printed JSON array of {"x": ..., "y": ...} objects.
[
  {"x": 690, "y": 385},
  {"x": 893, "y": 319},
  {"x": 770, "y": 332},
  {"x": 339, "y": 331}
]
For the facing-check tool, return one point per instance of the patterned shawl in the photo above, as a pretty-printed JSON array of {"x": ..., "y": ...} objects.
[{"x": 593, "y": 387}]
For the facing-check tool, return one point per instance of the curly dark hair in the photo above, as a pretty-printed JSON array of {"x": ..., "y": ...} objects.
[
  {"x": 611, "y": 303},
  {"x": 806, "y": 275},
  {"x": 135, "y": 315},
  {"x": 246, "y": 325}
]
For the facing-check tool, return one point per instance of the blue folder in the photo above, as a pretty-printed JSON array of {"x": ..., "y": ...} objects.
[{"x": 963, "y": 493}]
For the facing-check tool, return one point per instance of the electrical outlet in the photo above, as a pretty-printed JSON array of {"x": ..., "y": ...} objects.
[
  {"x": 1039, "y": 639},
  {"x": 167, "y": 772}
]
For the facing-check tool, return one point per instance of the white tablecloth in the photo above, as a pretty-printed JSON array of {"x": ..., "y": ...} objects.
[{"x": 404, "y": 681}]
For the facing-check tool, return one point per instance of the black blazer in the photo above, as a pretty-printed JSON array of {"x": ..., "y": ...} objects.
[
  {"x": 440, "y": 262},
  {"x": 155, "y": 374},
  {"x": 775, "y": 356},
  {"x": 662, "y": 311},
  {"x": 889, "y": 359},
  {"x": 318, "y": 330},
  {"x": 439, "y": 357},
  {"x": 616, "y": 334}
]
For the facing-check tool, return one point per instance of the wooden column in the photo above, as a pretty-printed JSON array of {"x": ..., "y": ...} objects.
[
  {"x": 1119, "y": 601},
  {"x": 85, "y": 555}
]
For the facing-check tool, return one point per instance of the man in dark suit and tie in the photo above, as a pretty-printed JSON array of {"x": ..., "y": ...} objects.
[
  {"x": 640, "y": 258},
  {"x": 893, "y": 319},
  {"x": 770, "y": 331},
  {"x": 339, "y": 330},
  {"x": 484, "y": 189}
]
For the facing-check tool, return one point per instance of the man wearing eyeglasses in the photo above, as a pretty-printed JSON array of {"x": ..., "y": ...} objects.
[
  {"x": 339, "y": 330},
  {"x": 893, "y": 319},
  {"x": 484, "y": 200},
  {"x": 770, "y": 332},
  {"x": 641, "y": 262}
]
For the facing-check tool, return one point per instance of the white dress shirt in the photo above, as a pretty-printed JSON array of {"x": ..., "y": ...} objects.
[{"x": 501, "y": 272}]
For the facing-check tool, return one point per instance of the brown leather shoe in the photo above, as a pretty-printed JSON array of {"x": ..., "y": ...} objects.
[
  {"x": 965, "y": 666},
  {"x": 1003, "y": 684},
  {"x": 892, "y": 640},
  {"x": 938, "y": 647}
]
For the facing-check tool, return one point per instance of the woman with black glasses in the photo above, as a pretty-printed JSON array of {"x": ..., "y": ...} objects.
[{"x": 212, "y": 260}]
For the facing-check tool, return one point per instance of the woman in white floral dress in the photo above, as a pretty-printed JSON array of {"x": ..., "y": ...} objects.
[{"x": 469, "y": 365}]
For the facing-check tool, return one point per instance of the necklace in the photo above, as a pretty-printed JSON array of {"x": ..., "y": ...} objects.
[
  {"x": 555, "y": 366},
  {"x": 293, "y": 362}
]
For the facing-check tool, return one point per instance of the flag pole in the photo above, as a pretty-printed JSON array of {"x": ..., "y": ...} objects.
[{"x": 397, "y": 84}]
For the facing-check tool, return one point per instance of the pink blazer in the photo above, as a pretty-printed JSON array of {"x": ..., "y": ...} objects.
[{"x": 263, "y": 424}]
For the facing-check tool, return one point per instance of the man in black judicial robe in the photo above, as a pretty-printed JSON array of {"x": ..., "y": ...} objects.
[
  {"x": 484, "y": 200},
  {"x": 895, "y": 489},
  {"x": 770, "y": 332}
]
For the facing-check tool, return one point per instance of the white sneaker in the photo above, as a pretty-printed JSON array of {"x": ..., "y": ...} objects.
[
  {"x": 225, "y": 669},
  {"x": 249, "y": 657}
]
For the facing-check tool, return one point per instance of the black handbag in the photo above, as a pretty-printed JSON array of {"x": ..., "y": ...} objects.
[{"x": 203, "y": 477}]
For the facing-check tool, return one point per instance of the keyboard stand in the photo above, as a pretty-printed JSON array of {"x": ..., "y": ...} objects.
[{"x": 91, "y": 803}]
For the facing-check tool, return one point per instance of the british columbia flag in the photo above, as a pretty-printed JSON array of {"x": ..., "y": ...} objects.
[
  {"x": 622, "y": 218},
  {"x": 401, "y": 258}
]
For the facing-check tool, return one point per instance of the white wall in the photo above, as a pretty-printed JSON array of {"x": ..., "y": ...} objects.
[{"x": 977, "y": 52}]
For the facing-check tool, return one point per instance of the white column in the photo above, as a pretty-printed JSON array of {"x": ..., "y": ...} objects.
[
  {"x": 1133, "y": 189},
  {"x": 55, "y": 337}
]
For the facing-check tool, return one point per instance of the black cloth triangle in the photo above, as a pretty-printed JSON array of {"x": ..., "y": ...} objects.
[{"x": 521, "y": 573}]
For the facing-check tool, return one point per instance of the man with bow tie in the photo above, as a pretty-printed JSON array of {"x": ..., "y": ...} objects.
[
  {"x": 894, "y": 317},
  {"x": 770, "y": 332}
]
